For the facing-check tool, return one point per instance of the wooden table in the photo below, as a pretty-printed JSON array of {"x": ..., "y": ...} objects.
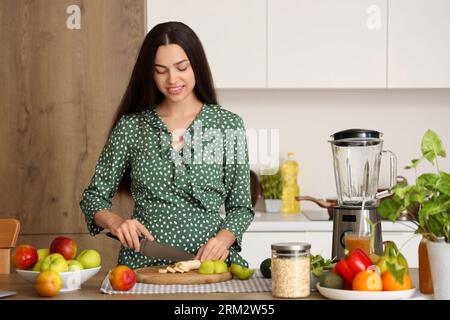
[{"x": 90, "y": 290}]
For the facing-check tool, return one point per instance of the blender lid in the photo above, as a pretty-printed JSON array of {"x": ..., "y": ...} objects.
[{"x": 356, "y": 134}]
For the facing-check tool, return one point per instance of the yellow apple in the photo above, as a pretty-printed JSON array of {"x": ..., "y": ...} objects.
[
  {"x": 54, "y": 262},
  {"x": 42, "y": 253},
  {"x": 37, "y": 266},
  {"x": 89, "y": 258},
  {"x": 74, "y": 265}
]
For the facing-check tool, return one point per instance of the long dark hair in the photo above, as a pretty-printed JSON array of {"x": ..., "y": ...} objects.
[{"x": 142, "y": 93}]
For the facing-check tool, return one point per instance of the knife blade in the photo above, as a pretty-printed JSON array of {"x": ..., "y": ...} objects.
[{"x": 160, "y": 250}]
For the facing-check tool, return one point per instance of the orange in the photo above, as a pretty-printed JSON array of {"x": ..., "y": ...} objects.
[
  {"x": 367, "y": 280},
  {"x": 391, "y": 284}
]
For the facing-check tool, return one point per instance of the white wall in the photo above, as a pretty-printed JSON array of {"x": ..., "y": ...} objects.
[{"x": 306, "y": 119}]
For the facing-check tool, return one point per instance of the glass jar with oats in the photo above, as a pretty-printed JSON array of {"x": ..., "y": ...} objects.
[{"x": 291, "y": 267}]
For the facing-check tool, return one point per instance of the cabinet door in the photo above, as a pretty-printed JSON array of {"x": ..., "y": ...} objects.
[
  {"x": 408, "y": 244},
  {"x": 327, "y": 43},
  {"x": 321, "y": 243},
  {"x": 256, "y": 246},
  {"x": 233, "y": 34},
  {"x": 419, "y": 44}
]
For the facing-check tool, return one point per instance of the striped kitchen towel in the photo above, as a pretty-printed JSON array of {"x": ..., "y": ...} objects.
[{"x": 257, "y": 283}]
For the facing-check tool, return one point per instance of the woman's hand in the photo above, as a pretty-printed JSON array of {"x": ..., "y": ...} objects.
[
  {"x": 217, "y": 247},
  {"x": 128, "y": 231}
]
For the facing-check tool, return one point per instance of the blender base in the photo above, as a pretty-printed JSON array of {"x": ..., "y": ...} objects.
[{"x": 354, "y": 219}]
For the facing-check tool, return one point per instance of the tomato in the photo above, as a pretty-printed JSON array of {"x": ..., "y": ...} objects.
[
  {"x": 391, "y": 284},
  {"x": 367, "y": 280}
]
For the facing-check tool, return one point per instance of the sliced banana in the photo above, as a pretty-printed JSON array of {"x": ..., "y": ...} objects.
[{"x": 182, "y": 266}]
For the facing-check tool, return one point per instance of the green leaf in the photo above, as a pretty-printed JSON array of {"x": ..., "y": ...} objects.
[
  {"x": 432, "y": 146},
  {"x": 439, "y": 205},
  {"x": 443, "y": 184},
  {"x": 390, "y": 209},
  {"x": 397, "y": 271},
  {"x": 414, "y": 164},
  {"x": 416, "y": 194},
  {"x": 428, "y": 181},
  {"x": 400, "y": 189},
  {"x": 438, "y": 223}
]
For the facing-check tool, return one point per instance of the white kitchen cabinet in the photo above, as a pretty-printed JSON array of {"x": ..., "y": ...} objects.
[
  {"x": 327, "y": 43},
  {"x": 419, "y": 44},
  {"x": 321, "y": 243},
  {"x": 233, "y": 34},
  {"x": 256, "y": 246}
]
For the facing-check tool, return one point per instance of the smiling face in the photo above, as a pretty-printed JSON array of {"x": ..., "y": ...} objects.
[{"x": 173, "y": 73}]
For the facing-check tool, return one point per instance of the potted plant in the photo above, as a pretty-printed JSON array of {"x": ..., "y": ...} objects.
[
  {"x": 272, "y": 186},
  {"x": 427, "y": 203}
]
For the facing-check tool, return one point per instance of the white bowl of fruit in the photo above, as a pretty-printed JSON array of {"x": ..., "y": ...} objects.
[{"x": 58, "y": 268}]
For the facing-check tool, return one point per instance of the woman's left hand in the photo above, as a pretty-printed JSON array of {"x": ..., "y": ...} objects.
[{"x": 217, "y": 247}]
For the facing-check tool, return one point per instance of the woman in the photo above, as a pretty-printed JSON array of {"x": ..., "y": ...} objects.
[{"x": 184, "y": 155}]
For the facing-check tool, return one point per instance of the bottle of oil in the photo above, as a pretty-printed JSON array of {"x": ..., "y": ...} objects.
[{"x": 289, "y": 172}]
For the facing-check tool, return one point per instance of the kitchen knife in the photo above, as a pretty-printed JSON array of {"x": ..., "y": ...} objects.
[{"x": 159, "y": 250}]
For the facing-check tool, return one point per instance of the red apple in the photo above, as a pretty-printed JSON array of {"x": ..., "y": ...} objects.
[
  {"x": 122, "y": 278},
  {"x": 64, "y": 246},
  {"x": 24, "y": 256},
  {"x": 48, "y": 283}
]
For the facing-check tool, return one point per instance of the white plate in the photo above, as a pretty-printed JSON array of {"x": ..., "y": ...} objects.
[
  {"x": 70, "y": 280},
  {"x": 340, "y": 294}
]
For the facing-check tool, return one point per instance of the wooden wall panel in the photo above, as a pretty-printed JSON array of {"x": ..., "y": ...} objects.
[{"x": 62, "y": 88}]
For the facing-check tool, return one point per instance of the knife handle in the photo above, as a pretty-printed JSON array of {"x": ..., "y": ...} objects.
[{"x": 109, "y": 234}]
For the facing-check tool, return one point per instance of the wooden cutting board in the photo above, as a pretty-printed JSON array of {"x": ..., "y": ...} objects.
[{"x": 151, "y": 275}]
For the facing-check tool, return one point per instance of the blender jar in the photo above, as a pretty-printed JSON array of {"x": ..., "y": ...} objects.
[{"x": 357, "y": 156}]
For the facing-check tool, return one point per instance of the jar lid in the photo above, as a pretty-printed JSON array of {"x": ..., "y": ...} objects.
[{"x": 291, "y": 246}]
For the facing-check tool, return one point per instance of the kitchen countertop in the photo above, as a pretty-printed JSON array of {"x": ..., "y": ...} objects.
[
  {"x": 277, "y": 222},
  {"x": 90, "y": 290}
]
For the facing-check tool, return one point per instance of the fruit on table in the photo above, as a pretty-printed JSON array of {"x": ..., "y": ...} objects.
[
  {"x": 395, "y": 279},
  {"x": 220, "y": 266},
  {"x": 89, "y": 258},
  {"x": 64, "y": 246},
  {"x": 367, "y": 280},
  {"x": 392, "y": 255},
  {"x": 240, "y": 272},
  {"x": 54, "y": 262},
  {"x": 207, "y": 267},
  {"x": 331, "y": 280},
  {"x": 213, "y": 266},
  {"x": 48, "y": 283},
  {"x": 349, "y": 267},
  {"x": 24, "y": 256},
  {"x": 74, "y": 265},
  {"x": 122, "y": 278},
  {"x": 182, "y": 266},
  {"x": 38, "y": 265},
  {"x": 42, "y": 253},
  {"x": 266, "y": 268}
]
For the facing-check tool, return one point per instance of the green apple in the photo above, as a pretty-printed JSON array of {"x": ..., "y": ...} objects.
[
  {"x": 42, "y": 253},
  {"x": 74, "y": 265},
  {"x": 207, "y": 267},
  {"x": 240, "y": 272},
  {"x": 220, "y": 266},
  {"x": 37, "y": 266},
  {"x": 89, "y": 258},
  {"x": 54, "y": 262}
]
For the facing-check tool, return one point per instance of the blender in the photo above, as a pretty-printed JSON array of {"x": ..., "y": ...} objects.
[{"x": 357, "y": 156}]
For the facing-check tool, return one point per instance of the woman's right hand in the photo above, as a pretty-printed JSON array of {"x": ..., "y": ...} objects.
[{"x": 128, "y": 231}]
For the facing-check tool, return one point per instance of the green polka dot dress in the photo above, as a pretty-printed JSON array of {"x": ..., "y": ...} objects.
[{"x": 177, "y": 194}]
